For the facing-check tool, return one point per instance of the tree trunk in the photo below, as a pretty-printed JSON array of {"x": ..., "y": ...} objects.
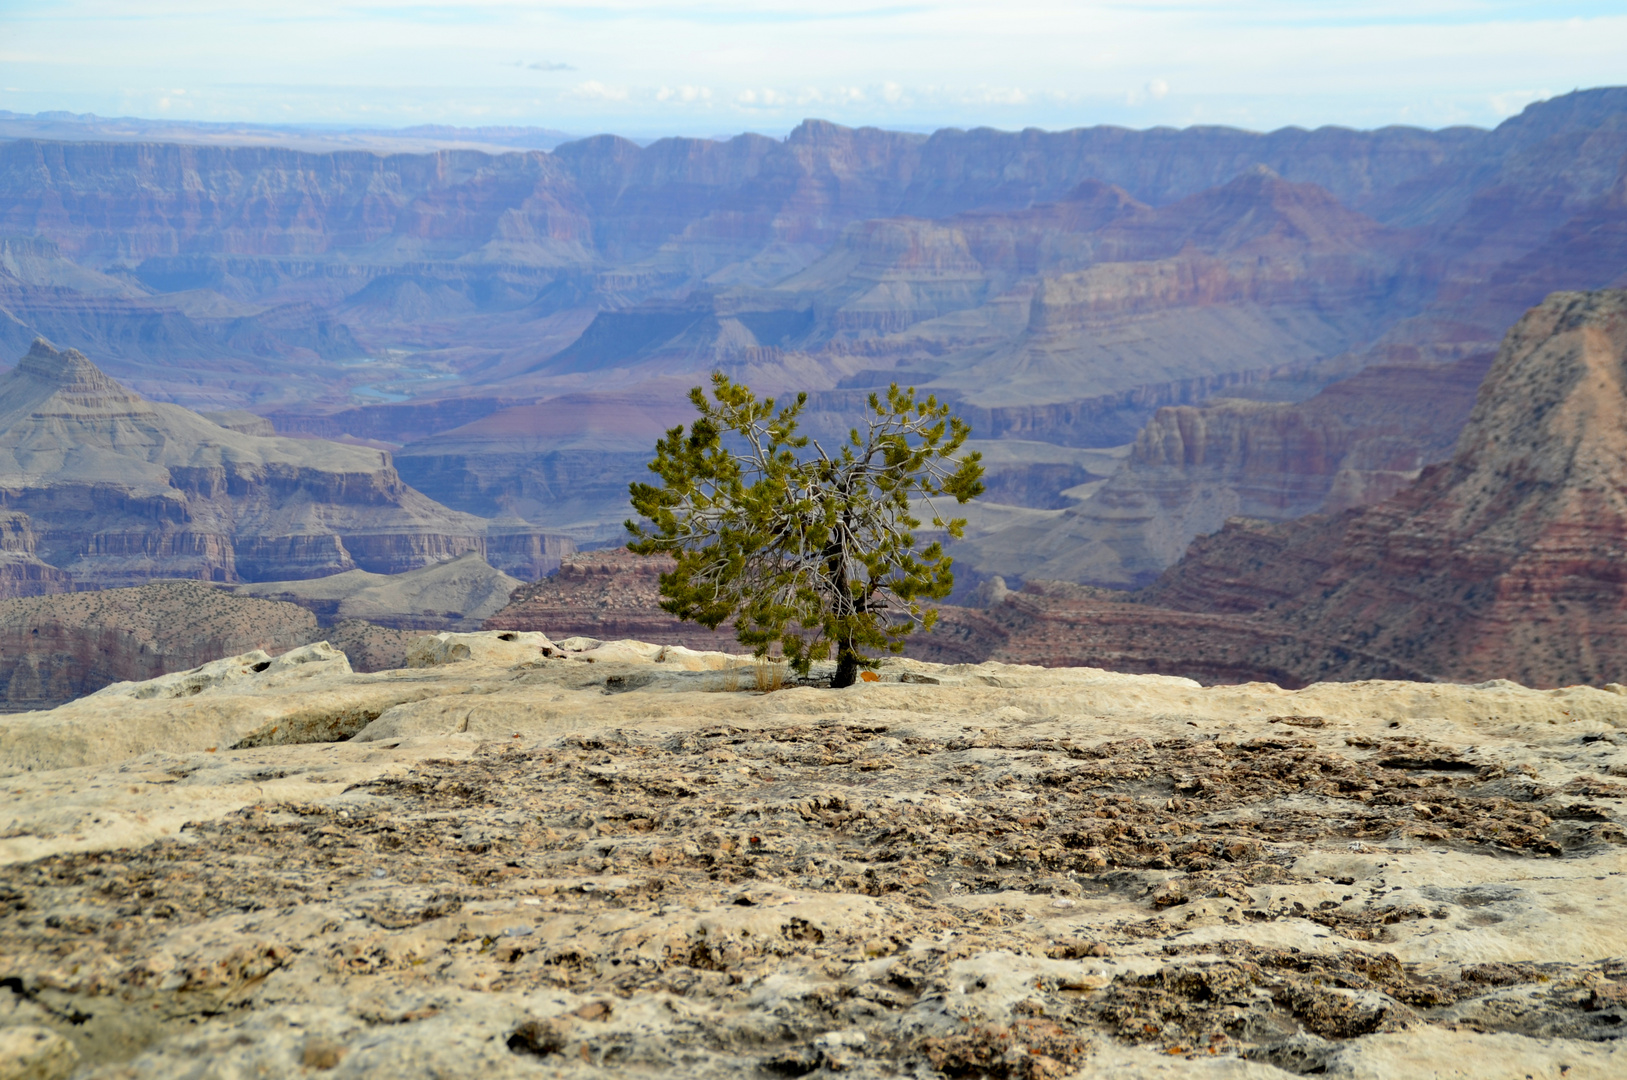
[{"x": 847, "y": 666}]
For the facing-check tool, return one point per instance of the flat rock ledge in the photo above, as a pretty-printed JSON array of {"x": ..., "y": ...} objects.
[{"x": 521, "y": 857}]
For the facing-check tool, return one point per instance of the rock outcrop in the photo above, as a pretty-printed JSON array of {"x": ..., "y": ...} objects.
[
  {"x": 1507, "y": 561},
  {"x": 519, "y": 863},
  {"x": 112, "y": 489},
  {"x": 607, "y": 594},
  {"x": 56, "y": 648}
]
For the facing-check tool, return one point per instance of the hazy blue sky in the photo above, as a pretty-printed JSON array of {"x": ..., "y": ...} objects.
[{"x": 645, "y": 67}]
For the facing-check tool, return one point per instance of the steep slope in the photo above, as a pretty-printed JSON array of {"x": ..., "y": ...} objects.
[
  {"x": 1507, "y": 562},
  {"x": 56, "y": 648},
  {"x": 117, "y": 489},
  {"x": 1504, "y": 562}
]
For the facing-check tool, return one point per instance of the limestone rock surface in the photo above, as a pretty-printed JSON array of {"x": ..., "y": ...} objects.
[{"x": 636, "y": 865}]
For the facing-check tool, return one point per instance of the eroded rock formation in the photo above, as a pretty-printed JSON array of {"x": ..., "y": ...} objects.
[
  {"x": 1191, "y": 468},
  {"x": 1504, "y": 562},
  {"x": 606, "y": 595},
  {"x": 56, "y": 648},
  {"x": 109, "y": 488},
  {"x": 1057, "y": 287}
]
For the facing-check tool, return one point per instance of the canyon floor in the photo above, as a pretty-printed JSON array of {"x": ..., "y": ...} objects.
[{"x": 569, "y": 859}]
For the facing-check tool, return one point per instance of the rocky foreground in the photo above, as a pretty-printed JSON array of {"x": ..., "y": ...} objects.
[{"x": 536, "y": 858}]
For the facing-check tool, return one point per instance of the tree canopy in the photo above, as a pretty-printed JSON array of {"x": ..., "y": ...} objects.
[{"x": 810, "y": 550}]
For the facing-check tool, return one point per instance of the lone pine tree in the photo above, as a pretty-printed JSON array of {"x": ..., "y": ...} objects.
[{"x": 810, "y": 550}]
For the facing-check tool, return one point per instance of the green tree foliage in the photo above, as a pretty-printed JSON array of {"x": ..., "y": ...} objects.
[{"x": 809, "y": 550}]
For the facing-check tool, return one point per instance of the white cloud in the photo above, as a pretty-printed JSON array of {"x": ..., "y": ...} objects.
[
  {"x": 998, "y": 95},
  {"x": 1262, "y": 63},
  {"x": 684, "y": 94},
  {"x": 594, "y": 90},
  {"x": 763, "y": 98}
]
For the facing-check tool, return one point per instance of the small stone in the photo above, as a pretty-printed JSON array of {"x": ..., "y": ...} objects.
[
  {"x": 321, "y": 1054},
  {"x": 593, "y": 1010}
]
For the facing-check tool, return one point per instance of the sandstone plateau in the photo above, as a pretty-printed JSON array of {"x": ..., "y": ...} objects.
[{"x": 508, "y": 860}]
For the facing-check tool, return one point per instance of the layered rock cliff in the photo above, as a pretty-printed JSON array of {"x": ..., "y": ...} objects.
[
  {"x": 1056, "y": 286},
  {"x": 111, "y": 489},
  {"x": 1506, "y": 561},
  {"x": 1191, "y": 468}
]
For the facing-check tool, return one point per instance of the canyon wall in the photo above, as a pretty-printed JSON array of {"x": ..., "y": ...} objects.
[
  {"x": 1505, "y": 561},
  {"x": 459, "y": 306}
]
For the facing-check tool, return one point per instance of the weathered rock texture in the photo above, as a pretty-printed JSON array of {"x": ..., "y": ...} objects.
[
  {"x": 109, "y": 488},
  {"x": 516, "y": 870},
  {"x": 607, "y": 595},
  {"x": 55, "y": 648},
  {"x": 1505, "y": 562}
]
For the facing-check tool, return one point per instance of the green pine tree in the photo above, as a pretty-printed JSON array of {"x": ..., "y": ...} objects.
[{"x": 809, "y": 550}]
